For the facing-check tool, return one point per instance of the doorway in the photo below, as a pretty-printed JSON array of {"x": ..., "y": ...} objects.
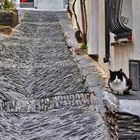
[{"x": 26, "y": 3}]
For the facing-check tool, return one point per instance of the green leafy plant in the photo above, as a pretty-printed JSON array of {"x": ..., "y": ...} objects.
[
  {"x": 8, "y": 4},
  {"x": 27, "y": 14},
  {"x": 83, "y": 46}
]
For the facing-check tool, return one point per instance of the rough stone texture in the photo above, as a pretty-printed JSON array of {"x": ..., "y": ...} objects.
[
  {"x": 9, "y": 18},
  {"x": 94, "y": 77},
  {"x": 123, "y": 117},
  {"x": 36, "y": 63},
  {"x": 65, "y": 124}
]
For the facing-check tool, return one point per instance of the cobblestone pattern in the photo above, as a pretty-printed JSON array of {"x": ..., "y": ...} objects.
[
  {"x": 38, "y": 17},
  {"x": 45, "y": 104},
  {"x": 33, "y": 44},
  {"x": 39, "y": 64},
  {"x": 65, "y": 124},
  {"x": 94, "y": 77}
]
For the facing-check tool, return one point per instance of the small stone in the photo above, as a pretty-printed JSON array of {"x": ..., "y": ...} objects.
[{"x": 5, "y": 30}]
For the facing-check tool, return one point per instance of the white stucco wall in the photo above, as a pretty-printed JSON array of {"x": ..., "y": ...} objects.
[
  {"x": 101, "y": 28},
  {"x": 120, "y": 56},
  {"x": 136, "y": 28},
  {"x": 127, "y": 13},
  {"x": 49, "y": 5},
  {"x": 93, "y": 27},
  {"x": 16, "y": 3}
]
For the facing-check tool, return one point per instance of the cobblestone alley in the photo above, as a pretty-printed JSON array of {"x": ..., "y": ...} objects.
[{"x": 43, "y": 96}]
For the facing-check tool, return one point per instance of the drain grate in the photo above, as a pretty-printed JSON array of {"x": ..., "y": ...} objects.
[{"x": 45, "y": 104}]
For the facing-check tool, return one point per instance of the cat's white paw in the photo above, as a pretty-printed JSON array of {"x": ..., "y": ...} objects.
[
  {"x": 120, "y": 93},
  {"x": 117, "y": 92},
  {"x": 114, "y": 92}
]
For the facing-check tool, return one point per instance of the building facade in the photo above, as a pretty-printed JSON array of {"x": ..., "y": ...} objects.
[
  {"x": 50, "y": 5},
  {"x": 113, "y": 35}
]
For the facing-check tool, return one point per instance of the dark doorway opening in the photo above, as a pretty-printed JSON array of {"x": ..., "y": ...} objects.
[{"x": 26, "y": 3}]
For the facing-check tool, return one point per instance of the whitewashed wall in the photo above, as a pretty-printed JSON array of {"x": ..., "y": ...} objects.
[
  {"x": 136, "y": 27},
  {"x": 49, "y": 5},
  {"x": 101, "y": 27},
  {"x": 93, "y": 27},
  {"x": 16, "y": 3},
  {"x": 120, "y": 56}
]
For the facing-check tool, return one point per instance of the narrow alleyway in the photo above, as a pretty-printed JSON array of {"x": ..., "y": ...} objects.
[{"x": 36, "y": 65}]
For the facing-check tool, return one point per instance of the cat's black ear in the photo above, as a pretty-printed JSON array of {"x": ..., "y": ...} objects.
[
  {"x": 121, "y": 70},
  {"x": 110, "y": 71}
]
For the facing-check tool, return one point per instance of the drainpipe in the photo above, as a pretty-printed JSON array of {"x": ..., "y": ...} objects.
[
  {"x": 83, "y": 22},
  {"x": 107, "y": 35},
  {"x": 36, "y": 4}
]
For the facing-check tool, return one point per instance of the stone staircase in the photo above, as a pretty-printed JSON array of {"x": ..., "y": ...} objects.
[{"x": 42, "y": 94}]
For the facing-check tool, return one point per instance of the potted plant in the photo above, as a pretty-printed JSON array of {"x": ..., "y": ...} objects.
[
  {"x": 8, "y": 4},
  {"x": 9, "y": 16}
]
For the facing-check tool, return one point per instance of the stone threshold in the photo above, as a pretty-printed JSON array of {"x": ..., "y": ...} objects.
[{"x": 123, "y": 105}]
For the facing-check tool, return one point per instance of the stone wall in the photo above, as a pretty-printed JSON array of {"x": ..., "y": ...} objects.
[
  {"x": 122, "y": 117},
  {"x": 9, "y": 18}
]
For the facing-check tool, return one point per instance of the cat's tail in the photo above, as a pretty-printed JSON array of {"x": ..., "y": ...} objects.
[{"x": 129, "y": 84}]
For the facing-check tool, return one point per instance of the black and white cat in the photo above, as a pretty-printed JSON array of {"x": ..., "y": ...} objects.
[{"x": 119, "y": 83}]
